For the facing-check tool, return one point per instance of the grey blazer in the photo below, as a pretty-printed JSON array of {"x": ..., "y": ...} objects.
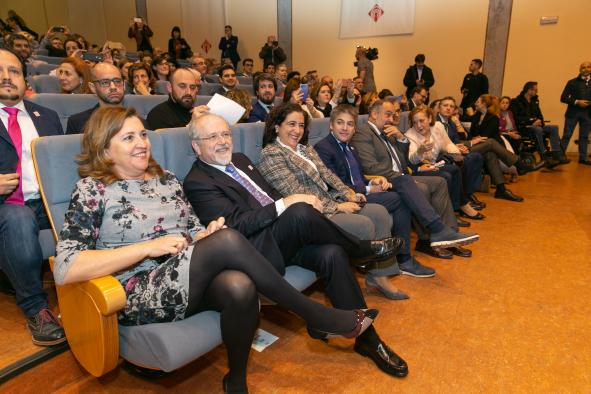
[
  {"x": 288, "y": 173},
  {"x": 375, "y": 158}
]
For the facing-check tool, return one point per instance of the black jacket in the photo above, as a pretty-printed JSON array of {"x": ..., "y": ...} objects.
[
  {"x": 167, "y": 115},
  {"x": 473, "y": 86},
  {"x": 526, "y": 112},
  {"x": 576, "y": 89},
  {"x": 411, "y": 76}
]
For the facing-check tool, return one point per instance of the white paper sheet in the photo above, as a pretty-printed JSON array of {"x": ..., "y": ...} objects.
[
  {"x": 226, "y": 108},
  {"x": 262, "y": 339}
]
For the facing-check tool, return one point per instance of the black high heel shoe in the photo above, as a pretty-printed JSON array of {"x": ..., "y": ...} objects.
[
  {"x": 478, "y": 215},
  {"x": 365, "y": 318},
  {"x": 227, "y": 390}
]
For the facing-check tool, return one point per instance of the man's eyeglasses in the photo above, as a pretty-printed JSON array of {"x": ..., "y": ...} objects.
[
  {"x": 105, "y": 83},
  {"x": 225, "y": 136}
]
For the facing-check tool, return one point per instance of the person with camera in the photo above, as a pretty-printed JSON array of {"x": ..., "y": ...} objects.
[
  {"x": 142, "y": 33},
  {"x": 365, "y": 67},
  {"x": 271, "y": 52}
]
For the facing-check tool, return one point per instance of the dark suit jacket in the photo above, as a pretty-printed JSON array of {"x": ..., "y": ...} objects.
[
  {"x": 334, "y": 158},
  {"x": 258, "y": 113},
  {"x": 46, "y": 121},
  {"x": 375, "y": 157},
  {"x": 576, "y": 89},
  {"x": 77, "y": 121},
  {"x": 411, "y": 76},
  {"x": 524, "y": 111},
  {"x": 213, "y": 194},
  {"x": 229, "y": 48},
  {"x": 489, "y": 127}
]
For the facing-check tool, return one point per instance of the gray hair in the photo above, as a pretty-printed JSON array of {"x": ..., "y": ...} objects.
[{"x": 197, "y": 126}]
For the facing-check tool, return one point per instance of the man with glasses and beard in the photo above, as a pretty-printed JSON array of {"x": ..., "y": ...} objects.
[
  {"x": 178, "y": 109},
  {"x": 266, "y": 85},
  {"x": 108, "y": 86}
]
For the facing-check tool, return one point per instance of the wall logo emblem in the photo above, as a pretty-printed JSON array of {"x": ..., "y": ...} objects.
[
  {"x": 376, "y": 12},
  {"x": 206, "y": 45}
]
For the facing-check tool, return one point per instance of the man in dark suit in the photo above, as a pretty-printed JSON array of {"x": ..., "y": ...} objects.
[
  {"x": 288, "y": 230},
  {"x": 266, "y": 86},
  {"x": 418, "y": 96},
  {"x": 383, "y": 151},
  {"x": 229, "y": 47},
  {"x": 343, "y": 160},
  {"x": 227, "y": 77},
  {"x": 418, "y": 75},
  {"x": 21, "y": 210},
  {"x": 577, "y": 94},
  {"x": 108, "y": 86}
]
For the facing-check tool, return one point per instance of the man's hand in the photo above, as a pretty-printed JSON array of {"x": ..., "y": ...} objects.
[
  {"x": 348, "y": 207},
  {"x": 463, "y": 149},
  {"x": 391, "y": 130},
  {"x": 8, "y": 183},
  {"x": 198, "y": 112},
  {"x": 305, "y": 198},
  {"x": 537, "y": 123},
  {"x": 583, "y": 103},
  {"x": 212, "y": 227},
  {"x": 380, "y": 183}
]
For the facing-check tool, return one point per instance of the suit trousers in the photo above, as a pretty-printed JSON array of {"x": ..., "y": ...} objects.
[
  {"x": 401, "y": 215},
  {"x": 307, "y": 238},
  {"x": 493, "y": 151},
  {"x": 20, "y": 253},
  {"x": 583, "y": 118},
  {"x": 472, "y": 172},
  {"x": 437, "y": 199},
  {"x": 452, "y": 174}
]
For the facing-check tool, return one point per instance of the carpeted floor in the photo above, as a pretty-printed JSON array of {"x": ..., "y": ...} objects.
[{"x": 513, "y": 318}]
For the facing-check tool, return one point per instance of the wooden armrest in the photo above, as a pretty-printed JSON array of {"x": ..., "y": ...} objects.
[
  {"x": 370, "y": 177},
  {"x": 107, "y": 293}
]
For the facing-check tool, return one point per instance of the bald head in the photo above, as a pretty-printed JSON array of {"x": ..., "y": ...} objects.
[
  {"x": 585, "y": 69},
  {"x": 211, "y": 139},
  {"x": 107, "y": 84}
]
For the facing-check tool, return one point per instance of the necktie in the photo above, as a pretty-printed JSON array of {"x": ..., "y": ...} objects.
[
  {"x": 260, "y": 197},
  {"x": 14, "y": 131},
  {"x": 354, "y": 170},
  {"x": 392, "y": 152}
]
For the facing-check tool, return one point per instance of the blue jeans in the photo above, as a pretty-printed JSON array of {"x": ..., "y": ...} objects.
[
  {"x": 541, "y": 132},
  {"x": 584, "y": 120},
  {"x": 20, "y": 253}
]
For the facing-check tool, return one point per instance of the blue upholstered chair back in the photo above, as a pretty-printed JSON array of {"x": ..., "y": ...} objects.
[
  {"x": 44, "y": 84},
  {"x": 65, "y": 105},
  {"x": 162, "y": 87},
  {"x": 143, "y": 104},
  {"x": 49, "y": 59},
  {"x": 41, "y": 69},
  {"x": 207, "y": 89}
]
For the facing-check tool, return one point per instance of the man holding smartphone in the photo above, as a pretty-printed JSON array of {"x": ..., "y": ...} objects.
[{"x": 271, "y": 52}]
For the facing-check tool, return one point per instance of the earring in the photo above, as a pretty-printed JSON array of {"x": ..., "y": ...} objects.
[{"x": 276, "y": 129}]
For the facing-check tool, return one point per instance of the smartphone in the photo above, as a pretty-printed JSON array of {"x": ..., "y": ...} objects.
[
  {"x": 93, "y": 57},
  {"x": 305, "y": 92},
  {"x": 58, "y": 29},
  {"x": 137, "y": 20}
]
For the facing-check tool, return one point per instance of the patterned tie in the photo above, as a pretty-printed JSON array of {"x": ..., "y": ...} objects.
[
  {"x": 14, "y": 131},
  {"x": 261, "y": 197},
  {"x": 392, "y": 152},
  {"x": 354, "y": 170}
]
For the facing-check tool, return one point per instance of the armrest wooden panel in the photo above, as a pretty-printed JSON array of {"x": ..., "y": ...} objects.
[{"x": 107, "y": 293}]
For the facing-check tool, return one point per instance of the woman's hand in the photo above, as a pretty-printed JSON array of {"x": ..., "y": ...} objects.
[
  {"x": 212, "y": 227},
  {"x": 358, "y": 197},
  {"x": 142, "y": 89},
  {"x": 425, "y": 147},
  {"x": 169, "y": 244},
  {"x": 348, "y": 207},
  {"x": 296, "y": 96},
  {"x": 514, "y": 134},
  {"x": 427, "y": 167},
  {"x": 477, "y": 140}
]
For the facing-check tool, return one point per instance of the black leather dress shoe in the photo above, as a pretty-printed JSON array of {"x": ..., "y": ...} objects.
[
  {"x": 508, "y": 195},
  {"x": 462, "y": 223},
  {"x": 475, "y": 201},
  {"x": 45, "y": 328},
  {"x": 478, "y": 216},
  {"x": 381, "y": 250},
  {"x": 384, "y": 358},
  {"x": 459, "y": 251},
  {"x": 439, "y": 253}
]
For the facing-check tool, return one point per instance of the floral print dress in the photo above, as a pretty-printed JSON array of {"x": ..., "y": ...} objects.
[{"x": 126, "y": 212}]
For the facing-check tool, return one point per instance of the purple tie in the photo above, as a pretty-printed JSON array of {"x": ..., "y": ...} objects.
[
  {"x": 261, "y": 198},
  {"x": 14, "y": 131}
]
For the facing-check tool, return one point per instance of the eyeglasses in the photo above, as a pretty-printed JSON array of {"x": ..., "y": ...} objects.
[
  {"x": 224, "y": 136},
  {"x": 105, "y": 83}
]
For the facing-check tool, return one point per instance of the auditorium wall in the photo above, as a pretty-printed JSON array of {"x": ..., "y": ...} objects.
[{"x": 548, "y": 54}]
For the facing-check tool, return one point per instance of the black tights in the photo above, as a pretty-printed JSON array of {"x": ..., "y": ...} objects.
[{"x": 225, "y": 262}]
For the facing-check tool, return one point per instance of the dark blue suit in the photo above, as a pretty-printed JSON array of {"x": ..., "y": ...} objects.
[
  {"x": 258, "y": 113},
  {"x": 21, "y": 256},
  {"x": 333, "y": 156}
]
